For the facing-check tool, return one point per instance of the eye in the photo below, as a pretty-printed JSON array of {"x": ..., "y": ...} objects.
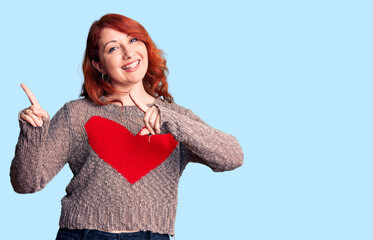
[
  {"x": 112, "y": 49},
  {"x": 134, "y": 40}
]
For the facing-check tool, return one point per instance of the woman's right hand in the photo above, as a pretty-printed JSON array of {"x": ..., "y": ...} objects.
[{"x": 33, "y": 114}]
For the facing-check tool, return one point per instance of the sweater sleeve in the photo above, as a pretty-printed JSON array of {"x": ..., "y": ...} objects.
[
  {"x": 41, "y": 152},
  {"x": 200, "y": 142}
]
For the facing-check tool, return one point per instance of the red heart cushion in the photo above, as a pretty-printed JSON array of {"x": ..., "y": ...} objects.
[{"x": 131, "y": 155}]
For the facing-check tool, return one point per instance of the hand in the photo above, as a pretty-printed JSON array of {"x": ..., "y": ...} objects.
[
  {"x": 152, "y": 118},
  {"x": 33, "y": 114}
]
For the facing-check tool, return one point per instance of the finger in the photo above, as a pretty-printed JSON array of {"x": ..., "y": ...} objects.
[
  {"x": 38, "y": 111},
  {"x": 150, "y": 129},
  {"x": 153, "y": 116},
  {"x": 39, "y": 122},
  {"x": 35, "y": 118},
  {"x": 155, "y": 120},
  {"x": 144, "y": 131},
  {"x": 157, "y": 125},
  {"x": 28, "y": 119},
  {"x": 146, "y": 121},
  {"x": 139, "y": 104},
  {"x": 44, "y": 114},
  {"x": 30, "y": 95}
]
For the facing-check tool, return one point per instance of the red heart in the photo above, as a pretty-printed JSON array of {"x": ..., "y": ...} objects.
[{"x": 131, "y": 155}]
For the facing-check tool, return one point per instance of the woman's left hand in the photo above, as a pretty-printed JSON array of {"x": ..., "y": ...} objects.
[{"x": 152, "y": 118}]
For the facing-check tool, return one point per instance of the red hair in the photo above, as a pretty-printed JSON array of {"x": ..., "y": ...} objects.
[{"x": 155, "y": 80}]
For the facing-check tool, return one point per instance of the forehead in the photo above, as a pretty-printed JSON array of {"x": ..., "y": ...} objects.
[{"x": 109, "y": 34}]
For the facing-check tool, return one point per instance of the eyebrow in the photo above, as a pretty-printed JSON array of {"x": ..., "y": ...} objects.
[
  {"x": 113, "y": 41},
  {"x": 109, "y": 42}
]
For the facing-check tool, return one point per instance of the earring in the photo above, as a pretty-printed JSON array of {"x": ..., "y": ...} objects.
[{"x": 105, "y": 77}]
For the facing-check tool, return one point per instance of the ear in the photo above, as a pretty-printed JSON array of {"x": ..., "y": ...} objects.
[{"x": 98, "y": 66}]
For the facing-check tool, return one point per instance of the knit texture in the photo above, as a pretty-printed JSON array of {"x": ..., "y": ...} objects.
[{"x": 122, "y": 181}]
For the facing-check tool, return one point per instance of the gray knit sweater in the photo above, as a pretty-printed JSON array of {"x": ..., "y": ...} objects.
[{"x": 121, "y": 180}]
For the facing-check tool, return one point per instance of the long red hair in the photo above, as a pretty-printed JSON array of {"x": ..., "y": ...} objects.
[{"x": 155, "y": 80}]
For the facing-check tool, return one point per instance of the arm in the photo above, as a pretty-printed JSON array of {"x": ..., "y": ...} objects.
[
  {"x": 41, "y": 152},
  {"x": 201, "y": 142}
]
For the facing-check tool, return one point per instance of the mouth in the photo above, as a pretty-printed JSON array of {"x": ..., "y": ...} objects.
[{"x": 131, "y": 65}]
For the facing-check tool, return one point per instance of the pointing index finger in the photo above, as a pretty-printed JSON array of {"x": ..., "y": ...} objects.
[
  {"x": 140, "y": 105},
  {"x": 30, "y": 95}
]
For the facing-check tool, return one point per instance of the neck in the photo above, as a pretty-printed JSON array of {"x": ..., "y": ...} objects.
[{"x": 124, "y": 98}]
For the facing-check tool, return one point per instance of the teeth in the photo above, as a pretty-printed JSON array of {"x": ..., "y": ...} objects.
[{"x": 131, "y": 65}]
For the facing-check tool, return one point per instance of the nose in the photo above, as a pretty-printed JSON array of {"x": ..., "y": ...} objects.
[{"x": 127, "y": 53}]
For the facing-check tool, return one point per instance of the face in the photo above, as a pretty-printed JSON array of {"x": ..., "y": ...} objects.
[{"x": 123, "y": 57}]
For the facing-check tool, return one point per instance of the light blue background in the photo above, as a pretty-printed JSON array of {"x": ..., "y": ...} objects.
[{"x": 292, "y": 80}]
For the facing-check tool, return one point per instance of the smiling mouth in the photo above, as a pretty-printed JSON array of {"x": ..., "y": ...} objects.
[{"x": 132, "y": 65}]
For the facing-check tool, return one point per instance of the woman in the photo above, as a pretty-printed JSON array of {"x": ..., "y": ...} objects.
[{"x": 126, "y": 141}]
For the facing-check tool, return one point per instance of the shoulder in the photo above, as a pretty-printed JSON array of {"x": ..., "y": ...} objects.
[
  {"x": 77, "y": 107},
  {"x": 79, "y": 103}
]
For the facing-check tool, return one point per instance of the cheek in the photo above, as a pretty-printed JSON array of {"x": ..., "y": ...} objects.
[
  {"x": 146, "y": 65},
  {"x": 146, "y": 60},
  {"x": 110, "y": 63}
]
